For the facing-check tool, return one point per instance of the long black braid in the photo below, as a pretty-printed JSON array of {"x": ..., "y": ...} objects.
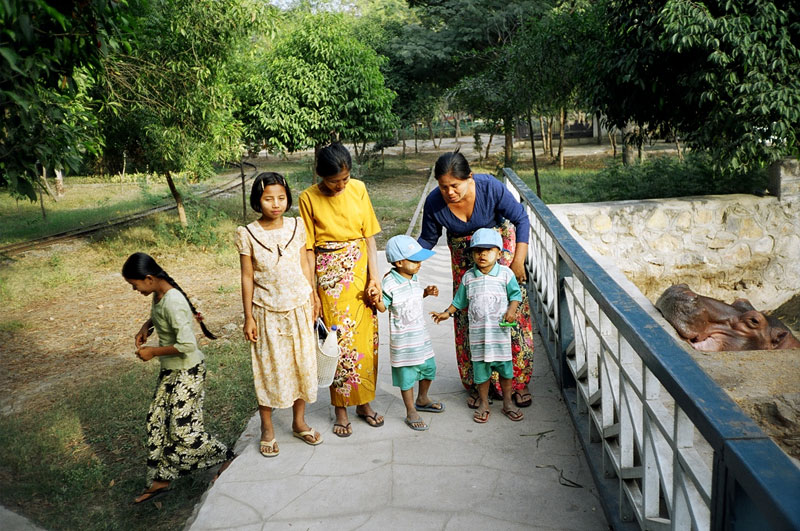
[{"x": 139, "y": 265}]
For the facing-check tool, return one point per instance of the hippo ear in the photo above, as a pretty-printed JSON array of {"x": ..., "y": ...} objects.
[{"x": 778, "y": 335}]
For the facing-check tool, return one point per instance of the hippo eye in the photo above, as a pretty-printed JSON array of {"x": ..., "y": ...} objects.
[{"x": 752, "y": 321}]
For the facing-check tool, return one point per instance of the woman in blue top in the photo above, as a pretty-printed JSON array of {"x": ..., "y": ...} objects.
[{"x": 462, "y": 203}]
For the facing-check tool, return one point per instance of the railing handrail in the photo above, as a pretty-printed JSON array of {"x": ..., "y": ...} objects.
[{"x": 762, "y": 470}]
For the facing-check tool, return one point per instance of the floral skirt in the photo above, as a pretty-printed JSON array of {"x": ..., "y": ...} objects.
[
  {"x": 341, "y": 282},
  {"x": 521, "y": 335},
  {"x": 284, "y": 357},
  {"x": 177, "y": 442}
]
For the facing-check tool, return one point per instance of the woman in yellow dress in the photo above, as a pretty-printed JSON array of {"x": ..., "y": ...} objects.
[{"x": 340, "y": 228}]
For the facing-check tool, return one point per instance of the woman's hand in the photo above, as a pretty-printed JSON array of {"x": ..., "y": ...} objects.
[
  {"x": 145, "y": 353},
  {"x": 373, "y": 292},
  {"x": 510, "y": 316},
  {"x": 250, "y": 329},
  {"x": 317, "y": 311},
  {"x": 518, "y": 263}
]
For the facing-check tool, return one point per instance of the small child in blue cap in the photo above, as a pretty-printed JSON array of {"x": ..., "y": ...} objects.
[
  {"x": 492, "y": 293},
  {"x": 411, "y": 352}
]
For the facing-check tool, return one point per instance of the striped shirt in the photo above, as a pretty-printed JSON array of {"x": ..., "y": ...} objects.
[
  {"x": 409, "y": 342},
  {"x": 487, "y": 297}
]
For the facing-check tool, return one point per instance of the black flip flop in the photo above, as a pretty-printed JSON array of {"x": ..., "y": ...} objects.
[
  {"x": 153, "y": 495},
  {"x": 374, "y": 418}
]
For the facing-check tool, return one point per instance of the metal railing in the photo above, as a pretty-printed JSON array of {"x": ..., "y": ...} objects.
[{"x": 668, "y": 449}]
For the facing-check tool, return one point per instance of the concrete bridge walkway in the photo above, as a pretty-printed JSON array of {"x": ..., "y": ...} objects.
[{"x": 457, "y": 475}]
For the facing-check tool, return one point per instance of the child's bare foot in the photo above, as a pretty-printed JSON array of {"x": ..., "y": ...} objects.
[
  {"x": 416, "y": 423},
  {"x": 481, "y": 415}
]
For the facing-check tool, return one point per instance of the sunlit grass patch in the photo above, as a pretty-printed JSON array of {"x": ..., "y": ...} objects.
[{"x": 79, "y": 463}]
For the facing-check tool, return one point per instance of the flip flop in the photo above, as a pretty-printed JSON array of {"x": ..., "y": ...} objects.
[
  {"x": 267, "y": 448},
  {"x": 311, "y": 433},
  {"x": 481, "y": 418},
  {"x": 430, "y": 407},
  {"x": 513, "y": 414},
  {"x": 374, "y": 418},
  {"x": 410, "y": 423},
  {"x": 519, "y": 401},
  {"x": 473, "y": 400},
  {"x": 344, "y": 426},
  {"x": 152, "y": 495}
]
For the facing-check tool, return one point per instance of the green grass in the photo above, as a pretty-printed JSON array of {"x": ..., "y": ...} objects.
[
  {"x": 78, "y": 463},
  {"x": 88, "y": 201}
]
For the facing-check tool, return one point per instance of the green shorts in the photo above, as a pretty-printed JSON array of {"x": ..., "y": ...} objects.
[
  {"x": 406, "y": 377},
  {"x": 482, "y": 370}
]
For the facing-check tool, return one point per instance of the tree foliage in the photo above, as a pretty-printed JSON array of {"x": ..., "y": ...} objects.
[
  {"x": 172, "y": 100},
  {"x": 725, "y": 74},
  {"x": 50, "y": 56},
  {"x": 318, "y": 81}
]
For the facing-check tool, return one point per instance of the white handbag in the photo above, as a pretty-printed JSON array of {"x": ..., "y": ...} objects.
[{"x": 327, "y": 353}]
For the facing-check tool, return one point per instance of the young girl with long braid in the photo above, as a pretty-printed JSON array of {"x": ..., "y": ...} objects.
[{"x": 177, "y": 442}]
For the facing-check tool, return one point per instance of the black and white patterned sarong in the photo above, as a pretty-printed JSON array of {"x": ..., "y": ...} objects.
[{"x": 177, "y": 442}]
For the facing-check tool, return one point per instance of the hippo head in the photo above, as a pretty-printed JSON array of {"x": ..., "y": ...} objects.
[{"x": 712, "y": 325}]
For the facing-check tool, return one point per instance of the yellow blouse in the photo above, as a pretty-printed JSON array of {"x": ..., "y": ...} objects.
[{"x": 341, "y": 218}]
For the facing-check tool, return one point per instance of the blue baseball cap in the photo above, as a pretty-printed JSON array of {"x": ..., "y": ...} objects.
[
  {"x": 404, "y": 247},
  {"x": 486, "y": 238}
]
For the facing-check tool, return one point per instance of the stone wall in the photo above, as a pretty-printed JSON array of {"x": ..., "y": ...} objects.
[{"x": 721, "y": 246}]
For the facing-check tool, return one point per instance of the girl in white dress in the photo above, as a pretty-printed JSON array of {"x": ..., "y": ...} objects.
[{"x": 278, "y": 310}]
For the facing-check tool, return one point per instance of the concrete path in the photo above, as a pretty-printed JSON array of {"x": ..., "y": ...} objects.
[{"x": 457, "y": 475}]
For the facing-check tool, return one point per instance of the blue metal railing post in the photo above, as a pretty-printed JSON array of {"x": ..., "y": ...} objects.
[{"x": 566, "y": 333}]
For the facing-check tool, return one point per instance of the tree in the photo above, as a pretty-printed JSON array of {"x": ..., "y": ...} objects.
[
  {"x": 50, "y": 56},
  {"x": 170, "y": 91},
  {"x": 724, "y": 74},
  {"x": 319, "y": 82}
]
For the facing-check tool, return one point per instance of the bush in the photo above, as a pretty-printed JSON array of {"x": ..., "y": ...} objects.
[{"x": 669, "y": 177}]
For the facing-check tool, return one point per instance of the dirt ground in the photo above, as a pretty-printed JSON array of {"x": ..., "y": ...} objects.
[{"x": 72, "y": 338}]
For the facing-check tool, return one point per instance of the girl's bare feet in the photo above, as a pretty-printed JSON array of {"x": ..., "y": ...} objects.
[{"x": 155, "y": 490}]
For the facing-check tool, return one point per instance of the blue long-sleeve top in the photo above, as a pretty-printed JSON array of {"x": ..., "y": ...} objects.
[{"x": 493, "y": 203}]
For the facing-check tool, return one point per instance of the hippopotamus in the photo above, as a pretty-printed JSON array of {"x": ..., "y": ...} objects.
[{"x": 711, "y": 325}]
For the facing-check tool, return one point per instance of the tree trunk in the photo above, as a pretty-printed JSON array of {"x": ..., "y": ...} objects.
[
  {"x": 550, "y": 136},
  {"x": 416, "y": 136},
  {"x": 628, "y": 154},
  {"x": 533, "y": 154},
  {"x": 244, "y": 192},
  {"x": 41, "y": 202},
  {"x": 458, "y": 127},
  {"x": 432, "y": 136},
  {"x": 543, "y": 127},
  {"x": 404, "y": 148},
  {"x": 59, "y": 183},
  {"x": 489, "y": 143},
  {"x": 317, "y": 148},
  {"x": 124, "y": 162},
  {"x": 561, "y": 120},
  {"x": 612, "y": 138},
  {"x": 178, "y": 200},
  {"x": 678, "y": 147},
  {"x": 46, "y": 185},
  {"x": 508, "y": 152}
]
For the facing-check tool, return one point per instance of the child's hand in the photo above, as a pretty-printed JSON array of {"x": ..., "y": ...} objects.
[
  {"x": 141, "y": 336},
  {"x": 373, "y": 293},
  {"x": 439, "y": 317},
  {"x": 250, "y": 330},
  {"x": 145, "y": 353},
  {"x": 510, "y": 316},
  {"x": 431, "y": 291}
]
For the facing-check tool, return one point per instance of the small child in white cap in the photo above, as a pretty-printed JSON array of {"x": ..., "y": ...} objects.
[
  {"x": 492, "y": 293},
  {"x": 411, "y": 352}
]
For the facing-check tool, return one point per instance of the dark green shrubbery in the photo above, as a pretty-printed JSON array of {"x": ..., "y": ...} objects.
[
  {"x": 669, "y": 177},
  {"x": 657, "y": 177}
]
